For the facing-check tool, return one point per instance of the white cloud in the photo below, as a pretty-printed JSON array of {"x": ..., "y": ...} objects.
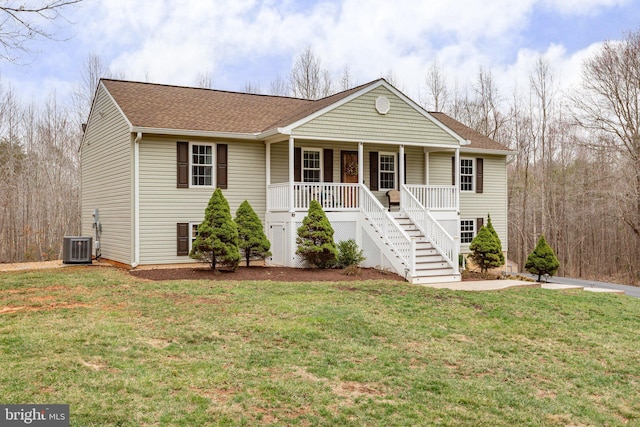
[
  {"x": 172, "y": 41},
  {"x": 582, "y": 7}
]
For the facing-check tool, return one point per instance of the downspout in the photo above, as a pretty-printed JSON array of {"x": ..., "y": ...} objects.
[{"x": 136, "y": 200}]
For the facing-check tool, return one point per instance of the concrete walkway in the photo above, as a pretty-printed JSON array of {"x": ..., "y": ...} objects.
[{"x": 495, "y": 285}]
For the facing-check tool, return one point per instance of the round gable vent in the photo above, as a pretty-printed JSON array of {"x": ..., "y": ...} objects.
[{"x": 383, "y": 105}]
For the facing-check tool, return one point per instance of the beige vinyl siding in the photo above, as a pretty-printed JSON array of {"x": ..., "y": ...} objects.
[
  {"x": 358, "y": 119},
  {"x": 493, "y": 199},
  {"x": 162, "y": 205},
  {"x": 107, "y": 183},
  {"x": 414, "y": 154}
]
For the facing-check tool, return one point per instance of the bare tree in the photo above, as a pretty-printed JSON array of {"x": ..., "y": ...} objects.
[
  {"x": 279, "y": 87},
  {"x": 251, "y": 87},
  {"x": 90, "y": 74},
  {"x": 204, "y": 80},
  {"x": 308, "y": 79},
  {"x": 346, "y": 79},
  {"x": 22, "y": 22},
  {"x": 608, "y": 103},
  {"x": 436, "y": 88}
]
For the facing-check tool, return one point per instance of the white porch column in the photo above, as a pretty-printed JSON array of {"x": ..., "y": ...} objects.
[
  {"x": 268, "y": 173},
  {"x": 426, "y": 167},
  {"x": 401, "y": 168},
  {"x": 401, "y": 177},
  {"x": 361, "y": 163},
  {"x": 291, "y": 172},
  {"x": 457, "y": 177}
]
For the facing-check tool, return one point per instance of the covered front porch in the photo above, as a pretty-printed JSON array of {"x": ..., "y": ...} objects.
[{"x": 423, "y": 227}]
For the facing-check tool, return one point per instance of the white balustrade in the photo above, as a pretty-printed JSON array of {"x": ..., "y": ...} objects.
[
  {"x": 435, "y": 197},
  {"x": 278, "y": 197},
  {"x": 395, "y": 236},
  {"x": 443, "y": 241},
  {"x": 331, "y": 196}
]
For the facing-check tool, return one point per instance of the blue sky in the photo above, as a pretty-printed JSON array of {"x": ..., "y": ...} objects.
[{"x": 237, "y": 41}]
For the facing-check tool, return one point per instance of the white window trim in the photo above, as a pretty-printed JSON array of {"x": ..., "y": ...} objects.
[
  {"x": 473, "y": 175},
  {"x": 473, "y": 232},
  {"x": 395, "y": 170},
  {"x": 191, "y": 238},
  {"x": 302, "y": 168},
  {"x": 213, "y": 165}
]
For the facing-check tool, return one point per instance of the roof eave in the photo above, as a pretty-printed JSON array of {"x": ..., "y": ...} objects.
[
  {"x": 195, "y": 133},
  {"x": 467, "y": 149}
]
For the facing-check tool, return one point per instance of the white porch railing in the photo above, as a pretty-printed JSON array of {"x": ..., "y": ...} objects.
[
  {"x": 435, "y": 197},
  {"x": 446, "y": 245},
  {"x": 332, "y": 196},
  {"x": 393, "y": 234},
  {"x": 278, "y": 197}
]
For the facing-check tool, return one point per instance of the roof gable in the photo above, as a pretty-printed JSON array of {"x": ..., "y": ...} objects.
[{"x": 355, "y": 117}]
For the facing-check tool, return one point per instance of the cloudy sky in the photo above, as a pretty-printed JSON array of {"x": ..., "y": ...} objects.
[{"x": 240, "y": 41}]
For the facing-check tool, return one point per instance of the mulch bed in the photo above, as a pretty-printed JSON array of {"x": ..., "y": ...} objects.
[{"x": 279, "y": 274}]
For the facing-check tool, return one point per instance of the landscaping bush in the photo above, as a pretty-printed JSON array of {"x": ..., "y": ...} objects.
[
  {"x": 251, "y": 238},
  {"x": 486, "y": 249},
  {"x": 315, "y": 238},
  {"x": 349, "y": 253},
  {"x": 542, "y": 260},
  {"x": 217, "y": 239}
]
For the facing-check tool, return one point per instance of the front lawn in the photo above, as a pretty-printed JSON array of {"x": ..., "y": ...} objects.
[{"x": 122, "y": 351}]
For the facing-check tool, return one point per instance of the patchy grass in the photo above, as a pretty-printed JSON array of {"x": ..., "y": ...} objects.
[{"x": 122, "y": 351}]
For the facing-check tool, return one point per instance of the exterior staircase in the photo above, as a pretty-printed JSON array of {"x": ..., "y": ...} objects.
[{"x": 430, "y": 267}]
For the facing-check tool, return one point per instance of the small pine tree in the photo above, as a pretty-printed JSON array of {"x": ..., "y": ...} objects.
[
  {"x": 542, "y": 260},
  {"x": 315, "y": 238},
  {"x": 486, "y": 248},
  {"x": 251, "y": 237},
  {"x": 217, "y": 239},
  {"x": 349, "y": 254}
]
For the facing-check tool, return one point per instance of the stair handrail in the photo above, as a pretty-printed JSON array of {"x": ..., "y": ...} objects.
[
  {"x": 430, "y": 228},
  {"x": 393, "y": 234}
]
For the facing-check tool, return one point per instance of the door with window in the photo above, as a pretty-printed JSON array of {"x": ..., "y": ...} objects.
[{"x": 349, "y": 175}]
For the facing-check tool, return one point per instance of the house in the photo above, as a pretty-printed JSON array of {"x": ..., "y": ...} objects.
[{"x": 152, "y": 155}]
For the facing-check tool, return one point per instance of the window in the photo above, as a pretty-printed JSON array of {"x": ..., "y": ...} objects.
[
  {"x": 311, "y": 165},
  {"x": 202, "y": 165},
  {"x": 466, "y": 174},
  {"x": 467, "y": 230},
  {"x": 194, "y": 233},
  {"x": 387, "y": 171}
]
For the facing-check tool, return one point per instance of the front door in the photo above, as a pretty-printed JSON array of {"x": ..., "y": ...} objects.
[
  {"x": 349, "y": 165},
  {"x": 349, "y": 175}
]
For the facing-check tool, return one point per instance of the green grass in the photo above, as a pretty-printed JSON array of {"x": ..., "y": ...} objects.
[{"x": 121, "y": 351}]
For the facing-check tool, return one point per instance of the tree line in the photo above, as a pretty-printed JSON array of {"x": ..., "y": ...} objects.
[{"x": 574, "y": 178}]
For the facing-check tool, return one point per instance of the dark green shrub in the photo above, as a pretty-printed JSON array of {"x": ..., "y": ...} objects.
[
  {"x": 542, "y": 260},
  {"x": 251, "y": 238},
  {"x": 315, "y": 238},
  {"x": 217, "y": 240},
  {"x": 486, "y": 249},
  {"x": 349, "y": 253}
]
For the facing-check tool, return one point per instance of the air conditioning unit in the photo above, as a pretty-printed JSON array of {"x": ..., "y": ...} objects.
[{"x": 77, "y": 250}]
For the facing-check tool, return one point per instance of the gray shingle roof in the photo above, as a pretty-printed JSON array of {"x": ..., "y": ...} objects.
[
  {"x": 177, "y": 107},
  {"x": 150, "y": 105}
]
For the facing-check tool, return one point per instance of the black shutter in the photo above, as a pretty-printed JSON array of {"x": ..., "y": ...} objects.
[
  {"x": 297, "y": 164},
  {"x": 183, "y": 238},
  {"x": 479, "y": 223},
  {"x": 221, "y": 166},
  {"x": 327, "y": 158},
  {"x": 453, "y": 171},
  {"x": 405, "y": 171},
  {"x": 479, "y": 175},
  {"x": 373, "y": 171},
  {"x": 183, "y": 164}
]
